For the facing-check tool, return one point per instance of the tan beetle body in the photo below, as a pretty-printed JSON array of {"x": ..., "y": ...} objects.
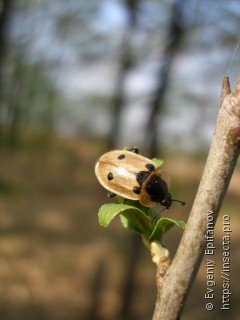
[{"x": 134, "y": 177}]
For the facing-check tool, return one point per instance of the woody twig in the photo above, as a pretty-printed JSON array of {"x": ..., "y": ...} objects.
[{"x": 175, "y": 284}]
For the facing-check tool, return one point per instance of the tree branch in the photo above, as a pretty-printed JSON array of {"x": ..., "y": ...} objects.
[{"x": 175, "y": 285}]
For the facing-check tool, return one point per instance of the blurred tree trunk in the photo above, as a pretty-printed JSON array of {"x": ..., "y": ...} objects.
[
  {"x": 15, "y": 104},
  {"x": 125, "y": 63},
  {"x": 174, "y": 36},
  {"x": 129, "y": 286},
  {"x": 96, "y": 287},
  {"x": 5, "y": 14}
]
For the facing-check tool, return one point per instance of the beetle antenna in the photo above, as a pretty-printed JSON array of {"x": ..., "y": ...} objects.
[
  {"x": 182, "y": 202},
  {"x": 157, "y": 216}
]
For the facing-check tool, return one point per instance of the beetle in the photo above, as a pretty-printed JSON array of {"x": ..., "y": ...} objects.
[{"x": 132, "y": 176}]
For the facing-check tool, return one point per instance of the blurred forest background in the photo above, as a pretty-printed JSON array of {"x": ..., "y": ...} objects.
[{"x": 78, "y": 78}]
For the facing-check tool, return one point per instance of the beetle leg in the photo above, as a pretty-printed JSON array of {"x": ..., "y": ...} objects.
[
  {"x": 110, "y": 194},
  {"x": 134, "y": 150}
]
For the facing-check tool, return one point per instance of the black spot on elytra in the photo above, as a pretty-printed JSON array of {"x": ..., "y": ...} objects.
[
  {"x": 150, "y": 167},
  {"x": 110, "y": 176},
  {"x": 136, "y": 190},
  {"x": 121, "y": 156}
]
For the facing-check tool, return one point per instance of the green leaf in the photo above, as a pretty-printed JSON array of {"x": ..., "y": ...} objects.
[
  {"x": 137, "y": 218},
  {"x": 134, "y": 218},
  {"x": 128, "y": 225},
  {"x": 163, "y": 225},
  {"x": 108, "y": 212},
  {"x": 158, "y": 162}
]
